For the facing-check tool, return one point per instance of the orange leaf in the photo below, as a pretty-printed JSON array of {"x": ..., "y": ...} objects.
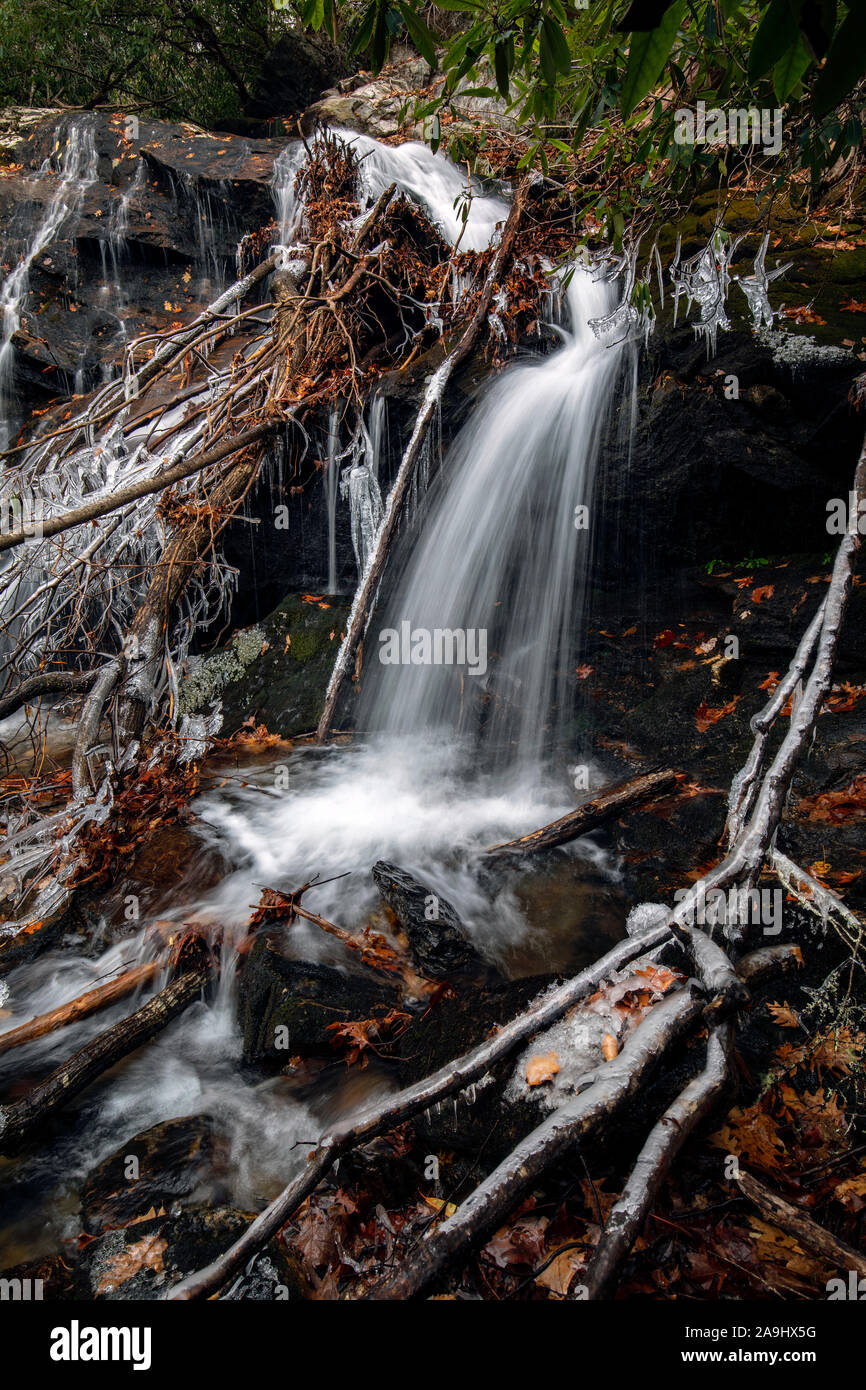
[
  {"x": 539, "y": 1069},
  {"x": 705, "y": 716}
]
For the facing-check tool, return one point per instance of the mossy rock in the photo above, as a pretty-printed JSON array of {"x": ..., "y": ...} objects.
[{"x": 275, "y": 672}]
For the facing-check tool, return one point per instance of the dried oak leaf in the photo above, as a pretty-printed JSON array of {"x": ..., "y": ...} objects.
[
  {"x": 541, "y": 1069},
  {"x": 783, "y": 1015},
  {"x": 705, "y": 716},
  {"x": 143, "y": 1254}
]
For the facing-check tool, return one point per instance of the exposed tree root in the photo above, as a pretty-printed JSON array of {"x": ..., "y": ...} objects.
[
  {"x": 788, "y": 1218},
  {"x": 682, "y": 1117}
]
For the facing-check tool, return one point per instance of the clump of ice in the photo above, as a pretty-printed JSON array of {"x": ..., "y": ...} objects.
[
  {"x": 577, "y": 1038},
  {"x": 644, "y": 916}
]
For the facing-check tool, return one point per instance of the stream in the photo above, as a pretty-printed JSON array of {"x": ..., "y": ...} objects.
[{"x": 425, "y": 783}]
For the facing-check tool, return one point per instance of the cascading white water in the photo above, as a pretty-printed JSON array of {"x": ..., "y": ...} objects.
[
  {"x": 435, "y": 183},
  {"x": 503, "y": 553},
  {"x": 75, "y": 171},
  {"x": 113, "y": 249},
  {"x": 496, "y": 547}
]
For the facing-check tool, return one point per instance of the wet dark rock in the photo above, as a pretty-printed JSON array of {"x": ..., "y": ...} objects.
[
  {"x": 437, "y": 938},
  {"x": 143, "y": 1260},
  {"x": 175, "y": 1162},
  {"x": 295, "y": 73},
  {"x": 717, "y": 478},
  {"x": 302, "y": 997},
  {"x": 477, "y": 1118},
  {"x": 50, "y": 1277},
  {"x": 189, "y": 198}
]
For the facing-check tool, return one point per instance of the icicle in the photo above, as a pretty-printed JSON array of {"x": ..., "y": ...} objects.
[
  {"x": 704, "y": 279},
  {"x": 755, "y": 286}
]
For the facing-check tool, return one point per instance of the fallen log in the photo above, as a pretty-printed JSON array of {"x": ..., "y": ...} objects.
[
  {"x": 797, "y": 1224},
  {"x": 366, "y": 594},
  {"x": 604, "y": 1093},
  {"x": 82, "y": 1007},
  {"x": 695, "y": 1102},
  {"x": 47, "y": 683},
  {"x": 605, "y": 806},
  {"x": 19, "y": 1120},
  {"x": 420, "y": 1096}
]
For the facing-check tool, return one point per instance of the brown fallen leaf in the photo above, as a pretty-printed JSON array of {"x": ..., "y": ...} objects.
[
  {"x": 541, "y": 1069},
  {"x": 783, "y": 1015},
  {"x": 765, "y": 591},
  {"x": 559, "y": 1273},
  {"x": 143, "y": 1254},
  {"x": 609, "y": 1047},
  {"x": 705, "y": 716}
]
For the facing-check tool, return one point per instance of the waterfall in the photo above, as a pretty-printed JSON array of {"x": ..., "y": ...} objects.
[
  {"x": 432, "y": 181},
  {"x": 502, "y": 558},
  {"x": 76, "y": 170},
  {"x": 288, "y": 208},
  {"x": 359, "y": 484},
  {"x": 114, "y": 248}
]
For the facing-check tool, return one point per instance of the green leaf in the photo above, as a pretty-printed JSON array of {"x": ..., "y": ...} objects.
[
  {"x": 418, "y": 33},
  {"x": 647, "y": 54},
  {"x": 365, "y": 32},
  {"x": 789, "y": 69},
  {"x": 548, "y": 62},
  {"x": 501, "y": 66},
  {"x": 777, "y": 32},
  {"x": 844, "y": 64},
  {"x": 555, "y": 41},
  {"x": 381, "y": 43}
]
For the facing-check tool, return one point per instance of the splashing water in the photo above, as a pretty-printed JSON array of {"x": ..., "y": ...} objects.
[{"x": 435, "y": 183}]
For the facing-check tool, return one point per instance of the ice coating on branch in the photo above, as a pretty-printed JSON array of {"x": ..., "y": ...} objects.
[
  {"x": 755, "y": 286},
  {"x": 634, "y": 314},
  {"x": 704, "y": 279},
  {"x": 644, "y": 916},
  {"x": 196, "y": 733}
]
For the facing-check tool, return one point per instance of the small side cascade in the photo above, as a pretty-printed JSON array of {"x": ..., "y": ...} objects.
[{"x": 74, "y": 171}]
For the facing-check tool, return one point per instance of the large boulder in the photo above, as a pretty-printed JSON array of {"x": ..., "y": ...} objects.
[
  {"x": 295, "y": 73},
  {"x": 275, "y": 672}
]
